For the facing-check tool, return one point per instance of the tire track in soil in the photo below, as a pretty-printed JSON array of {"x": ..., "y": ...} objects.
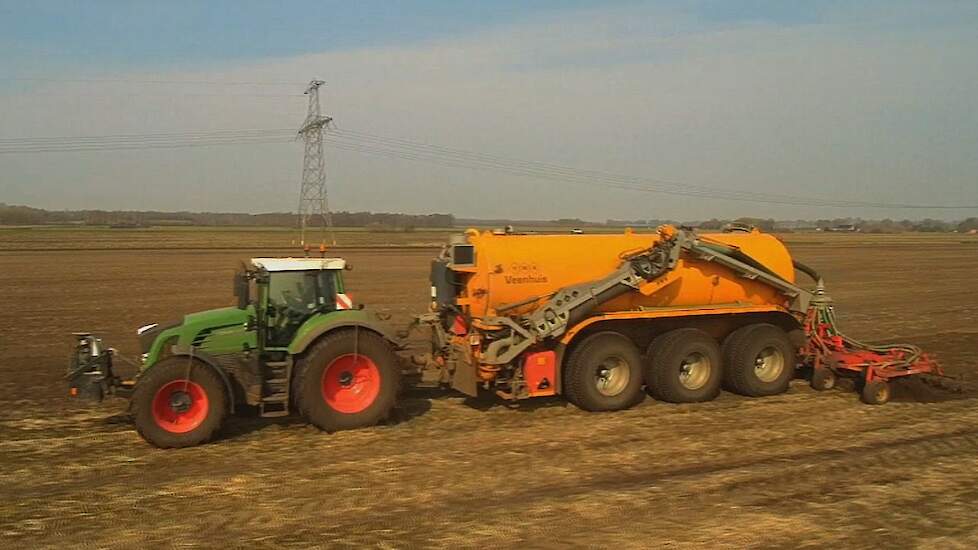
[
  {"x": 774, "y": 478},
  {"x": 651, "y": 431},
  {"x": 620, "y": 482}
]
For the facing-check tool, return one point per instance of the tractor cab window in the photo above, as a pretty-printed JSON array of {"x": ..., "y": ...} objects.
[
  {"x": 302, "y": 292},
  {"x": 293, "y": 296}
]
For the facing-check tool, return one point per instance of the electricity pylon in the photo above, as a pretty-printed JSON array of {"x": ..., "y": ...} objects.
[{"x": 312, "y": 195}]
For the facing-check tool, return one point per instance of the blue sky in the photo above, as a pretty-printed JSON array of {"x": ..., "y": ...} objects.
[
  {"x": 178, "y": 32},
  {"x": 870, "y": 100},
  {"x": 81, "y": 37}
]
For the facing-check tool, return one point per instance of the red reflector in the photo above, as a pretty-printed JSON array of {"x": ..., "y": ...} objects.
[
  {"x": 458, "y": 326},
  {"x": 540, "y": 373}
]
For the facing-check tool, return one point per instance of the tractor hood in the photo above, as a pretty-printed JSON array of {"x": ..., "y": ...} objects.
[
  {"x": 221, "y": 330},
  {"x": 215, "y": 330},
  {"x": 219, "y": 316}
]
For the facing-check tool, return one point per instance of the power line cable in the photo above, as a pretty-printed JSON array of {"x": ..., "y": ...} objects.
[
  {"x": 404, "y": 155},
  {"x": 169, "y": 135},
  {"x": 157, "y": 81},
  {"x": 362, "y": 136},
  {"x": 556, "y": 169},
  {"x": 407, "y": 150},
  {"x": 167, "y": 141},
  {"x": 403, "y": 149}
]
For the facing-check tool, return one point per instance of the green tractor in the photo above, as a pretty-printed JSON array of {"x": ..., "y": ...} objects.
[{"x": 293, "y": 343}]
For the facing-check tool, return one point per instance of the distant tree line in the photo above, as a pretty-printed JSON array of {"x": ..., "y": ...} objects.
[
  {"x": 500, "y": 222},
  {"x": 926, "y": 225},
  {"x": 381, "y": 221},
  {"x": 25, "y": 215}
]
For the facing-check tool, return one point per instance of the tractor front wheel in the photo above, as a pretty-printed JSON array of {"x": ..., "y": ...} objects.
[
  {"x": 179, "y": 402},
  {"x": 347, "y": 380}
]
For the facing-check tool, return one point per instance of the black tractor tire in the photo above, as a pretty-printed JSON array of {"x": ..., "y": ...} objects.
[
  {"x": 179, "y": 402},
  {"x": 758, "y": 360},
  {"x": 823, "y": 379},
  {"x": 876, "y": 392},
  {"x": 604, "y": 373},
  {"x": 683, "y": 366},
  {"x": 347, "y": 379}
]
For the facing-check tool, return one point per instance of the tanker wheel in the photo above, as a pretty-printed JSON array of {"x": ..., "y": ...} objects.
[
  {"x": 604, "y": 373},
  {"x": 347, "y": 379},
  {"x": 875, "y": 392},
  {"x": 179, "y": 402},
  {"x": 758, "y": 360},
  {"x": 823, "y": 379},
  {"x": 683, "y": 366}
]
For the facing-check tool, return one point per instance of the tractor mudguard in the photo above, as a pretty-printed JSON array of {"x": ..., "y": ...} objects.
[
  {"x": 320, "y": 324},
  {"x": 212, "y": 363}
]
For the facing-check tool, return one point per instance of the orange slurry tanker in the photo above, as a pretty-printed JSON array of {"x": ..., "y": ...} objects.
[{"x": 597, "y": 318}]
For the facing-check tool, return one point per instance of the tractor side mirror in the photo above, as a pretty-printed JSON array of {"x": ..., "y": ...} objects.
[{"x": 241, "y": 289}]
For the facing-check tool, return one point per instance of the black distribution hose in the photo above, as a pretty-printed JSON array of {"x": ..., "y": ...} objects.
[{"x": 807, "y": 270}]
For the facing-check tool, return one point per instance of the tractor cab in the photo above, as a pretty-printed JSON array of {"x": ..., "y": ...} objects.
[{"x": 288, "y": 291}]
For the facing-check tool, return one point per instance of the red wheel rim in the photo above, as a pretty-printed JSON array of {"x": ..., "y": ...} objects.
[
  {"x": 351, "y": 383},
  {"x": 180, "y": 406}
]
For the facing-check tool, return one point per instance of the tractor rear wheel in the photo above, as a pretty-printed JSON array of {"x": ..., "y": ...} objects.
[
  {"x": 604, "y": 373},
  {"x": 683, "y": 366},
  {"x": 179, "y": 402},
  {"x": 758, "y": 360},
  {"x": 347, "y": 379}
]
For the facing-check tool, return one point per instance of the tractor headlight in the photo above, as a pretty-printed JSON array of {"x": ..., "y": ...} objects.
[
  {"x": 148, "y": 333},
  {"x": 144, "y": 328}
]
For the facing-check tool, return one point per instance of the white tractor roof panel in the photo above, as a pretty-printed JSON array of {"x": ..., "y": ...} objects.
[{"x": 298, "y": 264}]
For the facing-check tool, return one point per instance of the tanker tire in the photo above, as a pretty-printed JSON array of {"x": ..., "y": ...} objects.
[
  {"x": 742, "y": 350},
  {"x": 308, "y": 382},
  {"x": 155, "y": 378},
  {"x": 666, "y": 359},
  {"x": 583, "y": 373}
]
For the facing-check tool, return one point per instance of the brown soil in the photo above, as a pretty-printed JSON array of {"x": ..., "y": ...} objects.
[{"x": 800, "y": 469}]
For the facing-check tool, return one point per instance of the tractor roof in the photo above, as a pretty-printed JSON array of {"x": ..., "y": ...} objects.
[{"x": 298, "y": 264}]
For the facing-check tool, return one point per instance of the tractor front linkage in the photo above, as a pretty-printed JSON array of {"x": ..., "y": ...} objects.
[{"x": 90, "y": 375}]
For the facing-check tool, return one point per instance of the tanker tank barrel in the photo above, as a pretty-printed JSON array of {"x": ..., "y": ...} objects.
[{"x": 799, "y": 296}]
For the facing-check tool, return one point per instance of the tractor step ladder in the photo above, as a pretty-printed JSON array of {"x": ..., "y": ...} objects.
[{"x": 275, "y": 391}]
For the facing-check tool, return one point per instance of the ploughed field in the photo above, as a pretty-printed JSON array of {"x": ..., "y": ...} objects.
[{"x": 800, "y": 469}]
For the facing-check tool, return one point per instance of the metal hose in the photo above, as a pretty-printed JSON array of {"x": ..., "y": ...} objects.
[{"x": 807, "y": 270}]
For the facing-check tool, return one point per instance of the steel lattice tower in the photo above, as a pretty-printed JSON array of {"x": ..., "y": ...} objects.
[{"x": 312, "y": 195}]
